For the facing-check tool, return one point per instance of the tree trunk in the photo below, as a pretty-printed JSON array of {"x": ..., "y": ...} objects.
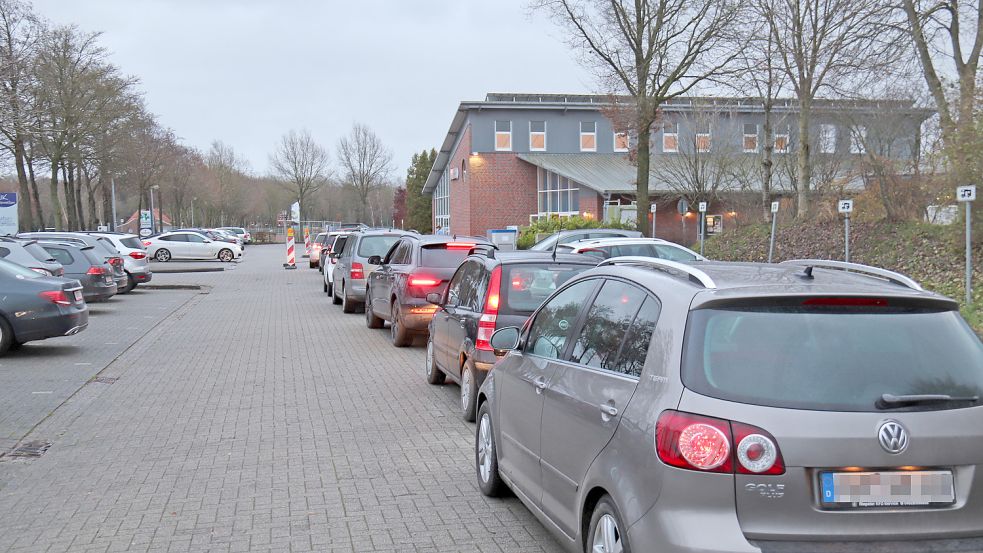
[
  {"x": 59, "y": 216},
  {"x": 107, "y": 198},
  {"x": 78, "y": 197},
  {"x": 804, "y": 162},
  {"x": 643, "y": 159},
  {"x": 68, "y": 179},
  {"x": 24, "y": 201},
  {"x": 34, "y": 193},
  {"x": 94, "y": 219}
]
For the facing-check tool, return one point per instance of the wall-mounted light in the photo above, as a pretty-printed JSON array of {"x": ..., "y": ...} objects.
[{"x": 474, "y": 154}]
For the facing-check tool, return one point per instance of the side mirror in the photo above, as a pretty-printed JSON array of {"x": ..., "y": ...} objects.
[
  {"x": 375, "y": 260},
  {"x": 504, "y": 340},
  {"x": 434, "y": 298}
]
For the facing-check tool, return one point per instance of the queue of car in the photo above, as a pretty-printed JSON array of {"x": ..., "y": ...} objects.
[{"x": 637, "y": 396}]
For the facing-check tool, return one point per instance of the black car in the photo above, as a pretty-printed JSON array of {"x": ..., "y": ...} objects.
[
  {"x": 86, "y": 265},
  {"x": 490, "y": 290},
  {"x": 35, "y": 307},
  {"x": 415, "y": 266}
]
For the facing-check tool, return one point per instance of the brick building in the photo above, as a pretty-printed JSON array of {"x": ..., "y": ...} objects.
[{"x": 513, "y": 158}]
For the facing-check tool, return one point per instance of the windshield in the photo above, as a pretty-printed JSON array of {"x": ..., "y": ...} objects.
[
  {"x": 14, "y": 270},
  {"x": 830, "y": 359},
  {"x": 526, "y": 286},
  {"x": 376, "y": 245}
]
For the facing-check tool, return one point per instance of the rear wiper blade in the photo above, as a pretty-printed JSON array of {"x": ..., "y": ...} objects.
[{"x": 889, "y": 401}]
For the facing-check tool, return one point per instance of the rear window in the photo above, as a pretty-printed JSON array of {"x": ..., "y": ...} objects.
[
  {"x": 92, "y": 257},
  {"x": 376, "y": 245},
  {"x": 831, "y": 359},
  {"x": 132, "y": 242},
  {"x": 439, "y": 256},
  {"x": 61, "y": 256},
  {"x": 37, "y": 251},
  {"x": 107, "y": 246},
  {"x": 526, "y": 286}
]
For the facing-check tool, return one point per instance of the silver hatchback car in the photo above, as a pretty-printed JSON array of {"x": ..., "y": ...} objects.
[{"x": 810, "y": 406}]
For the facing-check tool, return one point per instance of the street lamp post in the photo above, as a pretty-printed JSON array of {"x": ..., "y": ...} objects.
[
  {"x": 193, "y": 212},
  {"x": 153, "y": 215}
]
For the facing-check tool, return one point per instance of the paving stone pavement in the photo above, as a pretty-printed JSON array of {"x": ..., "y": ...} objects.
[{"x": 258, "y": 417}]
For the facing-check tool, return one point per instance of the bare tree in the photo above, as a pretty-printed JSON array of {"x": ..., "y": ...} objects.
[
  {"x": 825, "y": 47},
  {"x": 948, "y": 37},
  {"x": 302, "y": 164},
  {"x": 366, "y": 162},
  {"x": 655, "y": 50},
  {"x": 228, "y": 171}
]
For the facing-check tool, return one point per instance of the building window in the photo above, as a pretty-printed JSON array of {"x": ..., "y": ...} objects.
[
  {"x": 750, "y": 138},
  {"x": 442, "y": 204},
  {"x": 537, "y": 136},
  {"x": 858, "y": 139},
  {"x": 827, "y": 139},
  {"x": 557, "y": 194},
  {"x": 782, "y": 140},
  {"x": 503, "y": 136},
  {"x": 588, "y": 136},
  {"x": 670, "y": 137},
  {"x": 621, "y": 142},
  {"x": 703, "y": 139}
]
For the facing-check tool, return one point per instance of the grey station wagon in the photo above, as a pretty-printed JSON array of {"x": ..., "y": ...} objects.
[{"x": 811, "y": 406}]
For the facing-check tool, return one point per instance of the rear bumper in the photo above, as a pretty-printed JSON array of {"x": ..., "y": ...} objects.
[
  {"x": 355, "y": 290},
  {"x": 142, "y": 277},
  {"x": 65, "y": 322},
  {"x": 965, "y": 545},
  {"x": 101, "y": 292},
  {"x": 416, "y": 315}
]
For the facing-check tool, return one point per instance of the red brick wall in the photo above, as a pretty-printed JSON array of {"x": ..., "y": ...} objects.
[
  {"x": 591, "y": 202},
  {"x": 502, "y": 192}
]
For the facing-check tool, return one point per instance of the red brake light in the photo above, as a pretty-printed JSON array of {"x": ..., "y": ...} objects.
[
  {"x": 489, "y": 316},
  {"x": 423, "y": 281},
  {"x": 460, "y": 246},
  {"x": 94, "y": 270},
  {"x": 56, "y": 296},
  {"x": 695, "y": 442},
  {"x": 137, "y": 255},
  {"x": 146, "y": 243},
  {"x": 847, "y": 302},
  {"x": 358, "y": 271}
]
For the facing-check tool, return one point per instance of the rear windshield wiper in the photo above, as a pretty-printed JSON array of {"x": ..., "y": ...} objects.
[{"x": 891, "y": 401}]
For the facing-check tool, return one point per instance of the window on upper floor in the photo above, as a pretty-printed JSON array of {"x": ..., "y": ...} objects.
[
  {"x": 858, "y": 140},
  {"x": 503, "y": 136},
  {"x": 703, "y": 138},
  {"x": 588, "y": 136},
  {"x": 782, "y": 139},
  {"x": 670, "y": 137},
  {"x": 537, "y": 136},
  {"x": 827, "y": 139},
  {"x": 750, "y": 138},
  {"x": 621, "y": 142}
]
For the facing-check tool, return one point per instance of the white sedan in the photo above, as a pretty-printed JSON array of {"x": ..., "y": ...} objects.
[
  {"x": 641, "y": 247},
  {"x": 189, "y": 245}
]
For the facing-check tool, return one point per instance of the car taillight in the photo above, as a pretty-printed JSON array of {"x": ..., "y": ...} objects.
[
  {"x": 460, "y": 245},
  {"x": 56, "y": 296},
  {"x": 846, "y": 302},
  {"x": 116, "y": 261},
  {"x": 489, "y": 315},
  {"x": 93, "y": 270},
  {"x": 706, "y": 444},
  {"x": 358, "y": 271},
  {"x": 41, "y": 271},
  {"x": 146, "y": 244},
  {"x": 423, "y": 281},
  {"x": 137, "y": 255}
]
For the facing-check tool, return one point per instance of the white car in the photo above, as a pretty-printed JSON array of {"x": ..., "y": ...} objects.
[
  {"x": 638, "y": 247},
  {"x": 135, "y": 261},
  {"x": 329, "y": 257},
  {"x": 190, "y": 245}
]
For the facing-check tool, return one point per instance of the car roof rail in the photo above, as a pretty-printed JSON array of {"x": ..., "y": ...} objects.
[
  {"x": 890, "y": 276},
  {"x": 692, "y": 273}
]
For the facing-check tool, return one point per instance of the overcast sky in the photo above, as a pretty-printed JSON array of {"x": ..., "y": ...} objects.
[{"x": 246, "y": 71}]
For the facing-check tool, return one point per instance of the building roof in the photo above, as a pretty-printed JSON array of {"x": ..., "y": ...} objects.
[{"x": 595, "y": 102}]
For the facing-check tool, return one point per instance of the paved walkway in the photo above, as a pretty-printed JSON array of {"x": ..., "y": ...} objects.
[{"x": 258, "y": 417}]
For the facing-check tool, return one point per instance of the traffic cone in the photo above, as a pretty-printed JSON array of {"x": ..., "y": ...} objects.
[
  {"x": 291, "y": 261},
  {"x": 307, "y": 242}
]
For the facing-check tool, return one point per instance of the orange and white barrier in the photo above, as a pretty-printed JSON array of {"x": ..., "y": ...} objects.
[
  {"x": 291, "y": 257},
  {"x": 307, "y": 242}
]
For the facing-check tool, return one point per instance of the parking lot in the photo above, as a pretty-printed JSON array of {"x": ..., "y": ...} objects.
[{"x": 249, "y": 415}]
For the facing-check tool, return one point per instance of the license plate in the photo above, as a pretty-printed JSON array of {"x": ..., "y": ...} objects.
[
  {"x": 887, "y": 489},
  {"x": 78, "y": 296}
]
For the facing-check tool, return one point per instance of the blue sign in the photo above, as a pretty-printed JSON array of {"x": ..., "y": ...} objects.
[{"x": 8, "y": 213}]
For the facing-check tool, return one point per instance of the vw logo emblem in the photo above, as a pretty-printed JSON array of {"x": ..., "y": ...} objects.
[{"x": 893, "y": 437}]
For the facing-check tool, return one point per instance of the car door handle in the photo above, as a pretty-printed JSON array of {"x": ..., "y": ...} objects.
[
  {"x": 608, "y": 410},
  {"x": 540, "y": 384}
]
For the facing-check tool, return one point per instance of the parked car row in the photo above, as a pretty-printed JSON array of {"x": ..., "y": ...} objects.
[
  {"x": 48, "y": 279},
  {"x": 631, "y": 393}
]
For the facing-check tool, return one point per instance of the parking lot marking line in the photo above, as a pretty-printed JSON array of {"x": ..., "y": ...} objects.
[
  {"x": 44, "y": 392},
  {"x": 82, "y": 364}
]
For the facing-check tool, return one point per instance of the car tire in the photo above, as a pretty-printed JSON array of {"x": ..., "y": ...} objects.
[
  {"x": 486, "y": 455},
  {"x": 435, "y": 376},
  {"x": 371, "y": 321},
  {"x": 347, "y": 305},
  {"x": 606, "y": 531},
  {"x": 131, "y": 283},
  {"x": 225, "y": 255},
  {"x": 163, "y": 255},
  {"x": 334, "y": 294},
  {"x": 469, "y": 392},
  {"x": 398, "y": 334},
  {"x": 6, "y": 336}
]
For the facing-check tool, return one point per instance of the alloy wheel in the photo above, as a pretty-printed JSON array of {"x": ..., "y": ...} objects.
[
  {"x": 484, "y": 447},
  {"x": 429, "y": 357},
  {"x": 607, "y": 536},
  {"x": 466, "y": 381}
]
